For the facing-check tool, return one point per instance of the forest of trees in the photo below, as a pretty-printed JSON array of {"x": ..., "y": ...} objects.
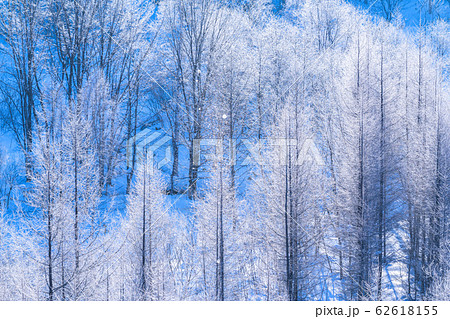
[{"x": 309, "y": 151}]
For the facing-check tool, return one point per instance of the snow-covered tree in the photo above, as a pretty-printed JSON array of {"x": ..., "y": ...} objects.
[
  {"x": 147, "y": 230},
  {"x": 20, "y": 89}
]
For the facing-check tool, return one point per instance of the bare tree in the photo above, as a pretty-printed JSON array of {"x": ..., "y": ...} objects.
[{"x": 19, "y": 31}]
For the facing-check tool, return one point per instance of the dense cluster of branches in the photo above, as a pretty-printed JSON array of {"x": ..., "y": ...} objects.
[{"x": 310, "y": 152}]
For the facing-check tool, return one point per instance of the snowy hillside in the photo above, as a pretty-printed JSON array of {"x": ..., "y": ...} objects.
[{"x": 224, "y": 150}]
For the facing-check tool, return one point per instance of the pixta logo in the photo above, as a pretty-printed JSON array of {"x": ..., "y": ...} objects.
[
  {"x": 147, "y": 143},
  {"x": 263, "y": 152}
]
